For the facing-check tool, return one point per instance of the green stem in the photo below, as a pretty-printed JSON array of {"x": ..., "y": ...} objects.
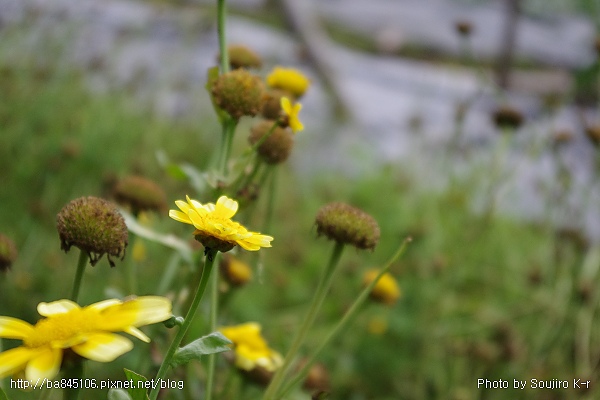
[
  {"x": 74, "y": 371},
  {"x": 317, "y": 301},
  {"x": 132, "y": 268},
  {"x": 81, "y": 263},
  {"x": 208, "y": 265},
  {"x": 214, "y": 310},
  {"x": 229, "y": 126},
  {"x": 341, "y": 325},
  {"x": 271, "y": 200},
  {"x": 221, "y": 19}
]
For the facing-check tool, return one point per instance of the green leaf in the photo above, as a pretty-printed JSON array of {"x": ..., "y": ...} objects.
[
  {"x": 137, "y": 392},
  {"x": 209, "y": 344},
  {"x": 118, "y": 394},
  {"x": 3, "y": 395}
]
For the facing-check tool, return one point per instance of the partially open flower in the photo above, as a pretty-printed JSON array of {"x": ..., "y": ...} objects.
[
  {"x": 140, "y": 194},
  {"x": 235, "y": 271},
  {"x": 277, "y": 147},
  {"x": 290, "y": 115},
  {"x": 239, "y": 93},
  {"x": 289, "y": 79},
  {"x": 93, "y": 225},
  {"x": 252, "y": 353},
  {"x": 214, "y": 227},
  {"x": 346, "y": 224},
  {"x": 386, "y": 290},
  {"x": 8, "y": 253},
  {"x": 88, "y": 331}
]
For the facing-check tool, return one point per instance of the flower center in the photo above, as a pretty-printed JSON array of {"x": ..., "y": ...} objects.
[{"x": 63, "y": 330}]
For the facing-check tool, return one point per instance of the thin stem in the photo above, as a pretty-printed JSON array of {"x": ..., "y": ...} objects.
[
  {"x": 83, "y": 258},
  {"x": 271, "y": 200},
  {"x": 317, "y": 301},
  {"x": 74, "y": 372},
  {"x": 341, "y": 325},
  {"x": 208, "y": 265},
  {"x": 214, "y": 309},
  {"x": 229, "y": 126},
  {"x": 221, "y": 19},
  {"x": 132, "y": 267}
]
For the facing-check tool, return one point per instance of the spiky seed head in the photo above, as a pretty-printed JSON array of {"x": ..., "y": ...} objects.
[
  {"x": 95, "y": 226},
  {"x": 346, "y": 224},
  {"x": 239, "y": 93}
]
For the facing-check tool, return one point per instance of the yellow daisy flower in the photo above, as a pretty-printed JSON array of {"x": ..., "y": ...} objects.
[
  {"x": 386, "y": 290},
  {"x": 289, "y": 79},
  {"x": 291, "y": 112},
  {"x": 251, "y": 349},
  {"x": 214, "y": 227},
  {"x": 88, "y": 331}
]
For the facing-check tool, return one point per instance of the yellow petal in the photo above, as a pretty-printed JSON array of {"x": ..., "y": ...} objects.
[
  {"x": 104, "y": 304},
  {"x": 183, "y": 206},
  {"x": 286, "y": 105},
  {"x": 103, "y": 347},
  {"x": 13, "y": 328},
  {"x": 226, "y": 207},
  {"x": 136, "y": 312},
  {"x": 138, "y": 334},
  {"x": 56, "y": 307},
  {"x": 45, "y": 365},
  {"x": 15, "y": 360},
  {"x": 179, "y": 216}
]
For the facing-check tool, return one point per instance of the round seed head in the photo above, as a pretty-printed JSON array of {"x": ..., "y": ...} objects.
[
  {"x": 243, "y": 57},
  {"x": 346, "y": 224},
  {"x": 239, "y": 93},
  {"x": 93, "y": 225},
  {"x": 140, "y": 194},
  {"x": 277, "y": 147}
]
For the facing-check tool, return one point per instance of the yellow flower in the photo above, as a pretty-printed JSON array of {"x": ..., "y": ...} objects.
[
  {"x": 214, "y": 227},
  {"x": 386, "y": 289},
  {"x": 291, "y": 113},
  {"x": 87, "y": 331},
  {"x": 288, "y": 79},
  {"x": 251, "y": 349}
]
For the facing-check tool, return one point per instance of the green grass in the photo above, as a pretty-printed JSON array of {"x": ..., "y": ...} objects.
[{"x": 482, "y": 297}]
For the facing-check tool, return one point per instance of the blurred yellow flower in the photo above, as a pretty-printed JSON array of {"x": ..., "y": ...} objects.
[
  {"x": 289, "y": 79},
  {"x": 386, "y": 290},
  {"x": 87, "y": 331},
  {"x": 214, "y": 227},
  {"x": 291, "y": 112},
  {"x": 251, "y": 349}
]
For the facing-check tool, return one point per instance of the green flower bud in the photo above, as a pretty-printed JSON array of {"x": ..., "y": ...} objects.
[
  {"x": 239, "y": 93},
  {"x": 346, "y": 224},
  {"x": 93, "y": 225},
  {"x": 140, "y": 194},
  {"x": 8, "y": 253},
  {"x": 277, "y": 147}
]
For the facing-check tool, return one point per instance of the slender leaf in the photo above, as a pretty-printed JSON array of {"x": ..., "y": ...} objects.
[{"x": 3, "y": 395}]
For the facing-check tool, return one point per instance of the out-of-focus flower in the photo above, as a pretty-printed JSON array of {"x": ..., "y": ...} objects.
[
  {"x": 386, "y": 290},
  {"x": 289, "y": 79},
  {"x": 88, "y": 331},
  {"x": 346, "y": 224}
]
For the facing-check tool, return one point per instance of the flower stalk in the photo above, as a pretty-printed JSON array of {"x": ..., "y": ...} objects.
[
  {"x": 315, "y": 306},
  {"x": 81, "y": 263},
  {"x": 209, "y": 260},
  {"x": 342, "y": 323}
]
